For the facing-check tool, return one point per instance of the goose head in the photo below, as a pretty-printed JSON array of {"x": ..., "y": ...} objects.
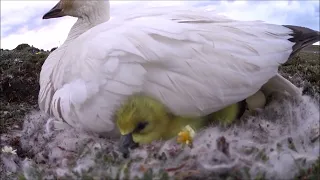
[{"x": 79, "y": 8}]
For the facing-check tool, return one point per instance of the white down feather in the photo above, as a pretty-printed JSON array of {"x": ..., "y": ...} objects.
[{"x": 195, "y": 62}]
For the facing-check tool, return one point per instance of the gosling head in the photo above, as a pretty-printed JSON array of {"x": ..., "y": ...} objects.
[
  {"x": 78, "y": 8},
  {"x": 143, "y": 118}
]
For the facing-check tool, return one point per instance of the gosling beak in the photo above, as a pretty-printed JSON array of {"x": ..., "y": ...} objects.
[
  {"x": 125, "y": 143},
  {"x": 55, "y": 12}
]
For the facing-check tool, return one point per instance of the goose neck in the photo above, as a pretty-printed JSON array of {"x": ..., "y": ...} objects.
[{"x": 84, "y": 23}]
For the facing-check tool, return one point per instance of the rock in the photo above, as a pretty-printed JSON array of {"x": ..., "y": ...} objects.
[{"x": 21, "y": 47}]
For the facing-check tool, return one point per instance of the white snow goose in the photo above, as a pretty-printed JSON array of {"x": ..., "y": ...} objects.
[{"x": 194, "y": 61}]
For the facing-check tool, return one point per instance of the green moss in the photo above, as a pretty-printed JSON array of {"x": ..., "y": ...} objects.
[
  {"x": 164, "y": 175},
  {"x": 304, "y": 71},
  {"x": 260, "y": 176},
  {"x": 262, "y": 156},
  {"x": 312, "y": 173}
]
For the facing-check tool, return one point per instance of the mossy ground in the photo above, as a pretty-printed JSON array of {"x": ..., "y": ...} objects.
[{"x": 19, "y": 85}]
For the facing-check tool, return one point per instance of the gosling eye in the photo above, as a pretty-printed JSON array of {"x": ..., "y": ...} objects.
[{"x": 141, "y": 126}]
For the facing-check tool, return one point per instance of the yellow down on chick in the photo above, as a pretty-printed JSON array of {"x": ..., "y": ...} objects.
[
  {"x": 147, "y": 119},
  {"x": 144, "y": 119}
]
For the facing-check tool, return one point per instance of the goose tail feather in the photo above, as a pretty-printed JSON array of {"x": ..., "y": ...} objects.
[{"x": 302, "y": 37}]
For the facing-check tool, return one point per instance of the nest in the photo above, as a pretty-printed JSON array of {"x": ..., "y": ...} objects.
[{"x": 280, "y": 142}]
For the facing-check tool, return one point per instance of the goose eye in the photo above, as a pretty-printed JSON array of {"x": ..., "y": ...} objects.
[{"x": 141, "y": 126}]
